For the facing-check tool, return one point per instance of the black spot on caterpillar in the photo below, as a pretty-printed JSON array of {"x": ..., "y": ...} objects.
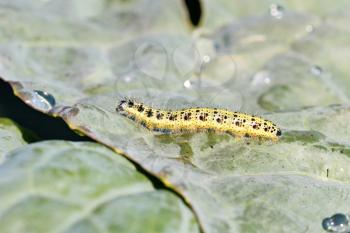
[{"x": 204, "y": 119}]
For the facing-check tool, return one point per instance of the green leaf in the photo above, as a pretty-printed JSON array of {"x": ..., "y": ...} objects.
[
  {"x": 97, "y": 22},
  {"x": 259, "y": 64},
  {"x": 10, "y": 137},
  {"x": 220, "y": 12},
  {"x": 61, "y": 186},
  {"x": 245, "y": 185}
]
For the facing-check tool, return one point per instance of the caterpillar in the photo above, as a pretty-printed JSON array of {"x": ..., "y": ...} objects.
[{"x": 198, "y": 120}]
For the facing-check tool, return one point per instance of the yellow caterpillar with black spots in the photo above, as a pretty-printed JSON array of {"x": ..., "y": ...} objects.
[{"x": 198, "y": 120}]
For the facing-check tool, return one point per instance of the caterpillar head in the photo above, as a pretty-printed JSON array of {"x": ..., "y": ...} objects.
[
  {"x": 278, "y": 133},
  {"x": 121, "y": 106},
  {"x": 124, "y": 104}
]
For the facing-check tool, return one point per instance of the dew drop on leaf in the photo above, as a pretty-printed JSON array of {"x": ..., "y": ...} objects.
[
  {"x": 188, "y": 84},
  {"x": 276, "y": 11},
  {"x": 42, "y": 100},
  {"x": 337, "y": 223},
  {"x": 309, "y": 28},
  {"x": 261, "y": 78},
  {"x": 316, "y": 70}
]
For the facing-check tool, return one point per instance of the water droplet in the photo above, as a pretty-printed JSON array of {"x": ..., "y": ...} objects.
[
  {"x": 261, "y": 77},
  {"x": 188, "y": 84},
  {"x": 316, "y": 70},
  {"x": 206, "y": 58},
  {"x": 276, "y": 11},
  {"x": 128, "y": 78},
  {"x": 309, "y": 28},
  {"x": 42, "y": 100},
  {"x": 337, "y": 223}
]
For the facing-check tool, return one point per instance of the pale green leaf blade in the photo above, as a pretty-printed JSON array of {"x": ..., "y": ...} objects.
[
  {"x": 231, "y": 184},
  {"x": 10, "y": 137},
  {"x": 61, "y": 186},
  {"x": 257, "y": 64}
]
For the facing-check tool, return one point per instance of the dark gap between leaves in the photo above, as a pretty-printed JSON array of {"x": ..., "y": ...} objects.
[
  {"x": 46, "y": 127},
  {"x": 194, "y": 9}
]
